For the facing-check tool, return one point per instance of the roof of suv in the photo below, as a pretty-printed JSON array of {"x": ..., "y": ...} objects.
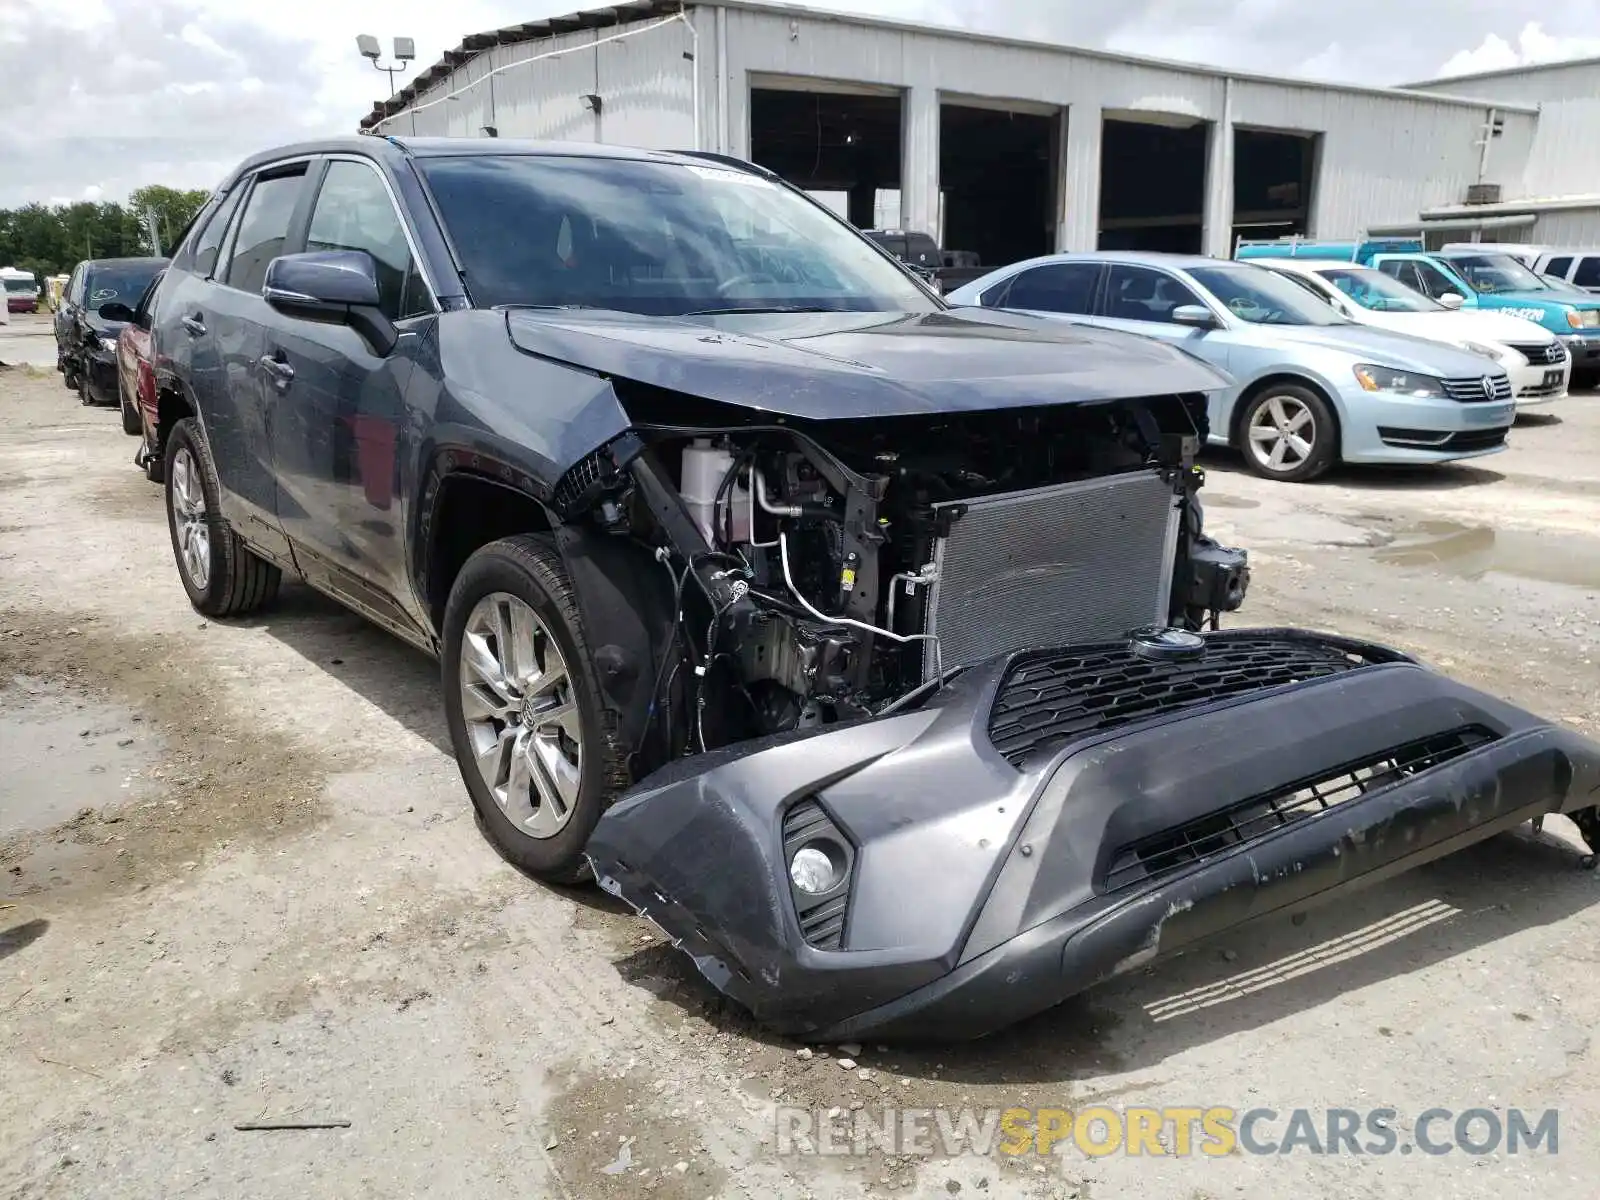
[{"x": 397, "y": 146}]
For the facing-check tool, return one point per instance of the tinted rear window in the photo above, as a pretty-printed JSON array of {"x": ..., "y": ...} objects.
[{"x": 123, "y": 283}]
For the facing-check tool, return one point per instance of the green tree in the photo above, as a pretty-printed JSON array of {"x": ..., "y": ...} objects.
[
  {"x": 51, "y": 240},
  {"x": 174, "y": 209}
]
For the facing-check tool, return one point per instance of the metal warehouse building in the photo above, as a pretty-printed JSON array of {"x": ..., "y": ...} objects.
[
  {"x": 1004, "y": 147},
  {"x": 1556, "y": 200}
]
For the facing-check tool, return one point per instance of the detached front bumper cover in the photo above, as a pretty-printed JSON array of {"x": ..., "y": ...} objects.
[{"x": 1050, "y": 820}]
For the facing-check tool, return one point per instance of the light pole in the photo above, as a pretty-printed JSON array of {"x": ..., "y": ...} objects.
[{"x": 405, "y": 50}]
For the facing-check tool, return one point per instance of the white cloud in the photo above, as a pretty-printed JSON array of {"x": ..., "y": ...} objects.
[
  {"x": 1534, "y": 45},
  {"x": 94, "y": 192}
]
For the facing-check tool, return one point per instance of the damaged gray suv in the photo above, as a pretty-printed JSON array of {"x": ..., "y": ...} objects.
[{"x": 867, "y": 646}]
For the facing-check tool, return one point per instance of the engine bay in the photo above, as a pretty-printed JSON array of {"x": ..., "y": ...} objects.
[{"x": 822, "y": 572}]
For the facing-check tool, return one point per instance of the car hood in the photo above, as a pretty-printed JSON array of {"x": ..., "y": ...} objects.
[
  {"x": 103, "y": 328},
  {"x": 1474, "y": 325},
  {"x": 839, "y": 365},
  {"x": 1385, "y": 348}
]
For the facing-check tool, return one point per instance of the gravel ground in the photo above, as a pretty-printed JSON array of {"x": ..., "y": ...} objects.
[{"x": 242, "y": 883}]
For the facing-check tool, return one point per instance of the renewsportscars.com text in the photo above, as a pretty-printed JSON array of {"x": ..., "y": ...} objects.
[{"x": 1178, "y": 1131}]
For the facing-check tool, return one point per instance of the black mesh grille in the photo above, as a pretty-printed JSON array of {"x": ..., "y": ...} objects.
[
  {"x": 1547, "y": 355},
  {"x": 1253, "y": 819},
  {"x": 823, "y": 926},
  {"x": 1470, "y": 391},
  {"x": 579, "y": 482},
  {"x": 1051, "y": 698}
]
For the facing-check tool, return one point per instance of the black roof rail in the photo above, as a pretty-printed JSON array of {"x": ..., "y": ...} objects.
[{"x": 730, "y": 160}]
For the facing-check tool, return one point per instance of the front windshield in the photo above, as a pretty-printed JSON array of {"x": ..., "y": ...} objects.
[
  {"x": 1376, "y": 291},
  {"x": 1492, "y": 273},
  {"x": 661, "y": 238},
  {"x": 24, "y": 287},
  {"x": 1262, "y": 297},
  {"x": 121, "y": 283}
]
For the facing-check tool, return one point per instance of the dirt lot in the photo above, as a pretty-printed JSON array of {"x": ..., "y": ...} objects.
[{"x": 242, "y": 883}]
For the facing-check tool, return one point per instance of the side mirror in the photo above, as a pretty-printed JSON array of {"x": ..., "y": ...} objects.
[
  {"x": 1451, "y": 300},
  {"x": 332, "y": 286},
  {"x": 1197, "y": 315},
  {"x": 115, "y": 310}
]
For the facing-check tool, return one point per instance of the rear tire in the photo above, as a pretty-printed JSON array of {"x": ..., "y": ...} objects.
[
  {"x": 132, "y": 421},
  {"x": 1287, "y": 432},
  {"x": 519, "y": 683},
  {"x": 218, "y": 571}
]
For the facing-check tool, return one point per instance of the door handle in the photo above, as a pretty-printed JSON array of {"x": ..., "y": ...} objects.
[
  {"x": 277, "y": 368},
  {"x": 194, "y": 325}
]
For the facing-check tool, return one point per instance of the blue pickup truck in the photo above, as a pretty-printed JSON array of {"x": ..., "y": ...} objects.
[{"x": 1466, "y": 277}]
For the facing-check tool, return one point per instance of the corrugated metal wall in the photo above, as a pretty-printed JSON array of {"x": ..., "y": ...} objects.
[
  {"x": 645, "y": 82},
  {"x": 1568, "y": 227},
  {"x": 1563, "y": 160},
  {"x": 1384, "y": 156}
]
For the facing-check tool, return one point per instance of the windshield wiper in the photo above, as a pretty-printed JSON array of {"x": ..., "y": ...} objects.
[{"x": 775, "y": 308}]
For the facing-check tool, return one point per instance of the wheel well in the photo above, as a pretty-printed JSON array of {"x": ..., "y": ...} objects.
[
  {"x": 172, "y": 406},
  {"x": 1267, "y": 381},
  {"x": 470, "y": 512}
]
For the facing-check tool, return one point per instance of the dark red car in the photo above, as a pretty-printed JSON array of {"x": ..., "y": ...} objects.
[{"x": 136, "y": 381}]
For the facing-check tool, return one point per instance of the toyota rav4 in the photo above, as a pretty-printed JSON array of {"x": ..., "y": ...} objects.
[{"x": 866, "y": 645}]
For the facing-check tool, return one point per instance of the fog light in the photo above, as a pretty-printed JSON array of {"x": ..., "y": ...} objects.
[{"x": 813, "y": 871}]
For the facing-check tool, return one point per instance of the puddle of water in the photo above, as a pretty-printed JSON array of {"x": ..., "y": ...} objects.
[
  {"x": 1472, "y": 551},
  {"x": 61, "y": 753},
  {"x": 1215, "y": 501}
]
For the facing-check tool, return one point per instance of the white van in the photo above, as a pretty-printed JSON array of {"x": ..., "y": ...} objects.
[
  {"x": 21, "y": 288},
  {"x": 1579, "y": 267}
]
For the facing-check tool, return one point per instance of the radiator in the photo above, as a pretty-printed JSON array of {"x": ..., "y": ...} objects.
[{"x": 1077, "y": 562}]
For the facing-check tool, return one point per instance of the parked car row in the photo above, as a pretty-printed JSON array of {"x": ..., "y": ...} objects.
[
  {"x": 102, "y": 297},
  {"x": 1309, "y": 386},
  {"x": 1473, "y": 275}
]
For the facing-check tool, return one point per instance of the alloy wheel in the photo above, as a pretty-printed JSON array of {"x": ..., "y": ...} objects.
[
  {"x": 521, "y": 714},
  {"x": 188, "y": 501},
  {"x": 1283, "y": 433}
]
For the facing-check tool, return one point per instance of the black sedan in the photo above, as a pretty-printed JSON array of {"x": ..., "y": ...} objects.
[{"x": 86, "y": 341}]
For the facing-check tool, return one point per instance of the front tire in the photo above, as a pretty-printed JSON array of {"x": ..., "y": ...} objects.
[
  {"x": 537, "y": 749},
  {"x": 1288, "y": 433},
  {"x": 220, "y": 574}
]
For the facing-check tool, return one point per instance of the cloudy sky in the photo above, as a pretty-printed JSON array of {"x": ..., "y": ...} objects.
[{"x": 103, "y": 96}]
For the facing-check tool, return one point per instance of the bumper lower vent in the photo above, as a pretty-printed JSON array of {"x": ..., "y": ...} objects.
[
  {"x": 1048, "y": 699},
  {"x": 821, "y": 917},
  {"x": 1251, "y": 820}
]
